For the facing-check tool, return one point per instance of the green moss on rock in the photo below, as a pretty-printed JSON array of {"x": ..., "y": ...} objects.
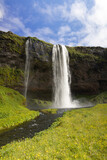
[
  {"x": 11, "y": 42},
  {"x": 101, "y": 98},
  {"x": 38, "y": 40},
  {"x": 52, "y": 111},
  {"x": 11, "y": 76},
  {"x": 77, "y": 55},
  {"x": 42, "y": 103}
]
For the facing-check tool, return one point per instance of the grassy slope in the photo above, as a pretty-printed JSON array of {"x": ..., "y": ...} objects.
[
  {"x": 79, "y": 134},
  {"x": 12, "y": 109},
  {"x": 101, "y": 98}
]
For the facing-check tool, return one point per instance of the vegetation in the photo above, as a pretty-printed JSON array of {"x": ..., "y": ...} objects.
[
  {"x": 12, "y": 42},
  {"x": 12, "y": 109},
  {"x": 79, "y": 55},
  {"x": 11, "y": 76},
  {"x": 52, "y": 111},
  {"x": 80, "y": 134},
  {"x": 38, "y": 40},
  {"x": 45, "y": 104},
  {"x": 101, "y": 98},
  {"x": 44, "y": 48},
  {"x": 95, "y": 99},
  {"x": 42, "y": 103}
]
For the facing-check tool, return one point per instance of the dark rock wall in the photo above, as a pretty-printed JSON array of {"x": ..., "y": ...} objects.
[
  {"x": 88, "y": 65},
  {"x": 40, "y": 65},
  {"x": 89, "y": 69},
  {"x": 89, "y": 77}
]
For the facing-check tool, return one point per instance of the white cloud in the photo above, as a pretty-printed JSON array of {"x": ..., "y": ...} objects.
[
  {"x": 54, "y": 11},
  {"x": 93, "y": 20},
  {"x": 44, "y": 31},
  {"x": 41, "y": 33},
  {"x": 95, "y": 25},
  {"x": 97, "y": 37},
  {"x": 15, "y": 24},
  {"x": 78, "y": 10},
  {"x": 47, "y": 9},
  {"x": 10, "y": 22},
  {"x": 63, "y": 30},
  {"x": 98, "y": 14}
]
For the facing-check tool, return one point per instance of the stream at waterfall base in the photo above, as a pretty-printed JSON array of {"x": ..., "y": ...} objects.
[{"x": 28, "y": 129}]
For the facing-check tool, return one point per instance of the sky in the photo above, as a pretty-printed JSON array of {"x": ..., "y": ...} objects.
[{"x": 68, "y": 22}]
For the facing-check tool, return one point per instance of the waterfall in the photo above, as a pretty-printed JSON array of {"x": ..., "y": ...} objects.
[
  {"x": 27, "y": 66},
  {"x": 62, "y": 77}
]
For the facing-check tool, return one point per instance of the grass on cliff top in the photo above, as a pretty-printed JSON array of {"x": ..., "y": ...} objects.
[
  {"x": 38, "y": 40},
  {"x": 75, "y": 54},
  {"x": 13, "y": 42},
  {"x": 12, "y": 109},
  {"x": 14, "y": 37},
  {"x": 80, "y": 134}
]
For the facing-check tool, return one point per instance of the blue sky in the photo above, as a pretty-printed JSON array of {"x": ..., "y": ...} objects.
[{"x": 69, "y": 22}]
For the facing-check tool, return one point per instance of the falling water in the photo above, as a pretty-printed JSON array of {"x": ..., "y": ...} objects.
[
  {"x": 62, "y": 77},
  {"x": 27, "y": 66}
]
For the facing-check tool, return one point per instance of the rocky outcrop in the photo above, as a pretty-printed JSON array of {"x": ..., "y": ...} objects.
[
  {"x": 89, "y": 69},
  {"x": 87, "y": 64},
  {"x": 12, "y": 55}
]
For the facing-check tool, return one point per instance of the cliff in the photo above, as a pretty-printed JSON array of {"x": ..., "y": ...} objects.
[{"x": 87, "y": 64}]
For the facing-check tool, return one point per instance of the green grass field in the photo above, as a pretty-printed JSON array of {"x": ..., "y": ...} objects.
[
  {"x": 80, "y": 134},
  {"x": 12, "y": 109}
]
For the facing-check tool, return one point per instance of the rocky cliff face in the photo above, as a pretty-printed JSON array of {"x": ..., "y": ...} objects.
[
  {"x": 88, "y": 65},
  {"x": 89, "y": 69}
]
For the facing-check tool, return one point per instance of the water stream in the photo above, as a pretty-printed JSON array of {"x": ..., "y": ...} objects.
[{"x": 28, "y": 129}]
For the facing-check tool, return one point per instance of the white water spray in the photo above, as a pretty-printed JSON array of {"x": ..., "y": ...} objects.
[
  {"x": 27, "y": 66},
  {"x": 62, "y": 80},
  {"x": 62, "y": 77}
]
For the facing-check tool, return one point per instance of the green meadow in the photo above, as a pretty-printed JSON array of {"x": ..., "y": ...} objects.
[{"x": 80, "y": 134}]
